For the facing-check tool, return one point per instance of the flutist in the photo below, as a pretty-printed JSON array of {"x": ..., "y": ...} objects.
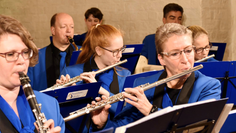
[
  {"x": 175, "y": 52},
  {"x": 201, "y": 43},
  {"x": 17, "y": 53},
  {"x": 102, "y": 47}
]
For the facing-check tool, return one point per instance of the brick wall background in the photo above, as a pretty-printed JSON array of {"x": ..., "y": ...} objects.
[{"x": 137, "y": 18}]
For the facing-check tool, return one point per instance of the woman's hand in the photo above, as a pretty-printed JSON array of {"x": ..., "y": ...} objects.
[
  {"x": 104, "y": 92},
  {"x": 88, "y": 77},
  {"x": 49, "y": 124},
  {"x": 64, "y": 79},
  {"x": 100, "y": 116},
  {"x": 137, "y": 98}
]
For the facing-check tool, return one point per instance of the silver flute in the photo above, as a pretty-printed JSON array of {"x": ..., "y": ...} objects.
[
  {"x": 120, "y": 97},
  {"x": 77, "y": 78},
  {"x": 206, "y": 58},
  {"x": 35, "y": 107}
]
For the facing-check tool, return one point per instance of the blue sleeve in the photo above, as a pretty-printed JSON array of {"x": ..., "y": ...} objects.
[
  {"x": 60, "y": 121},
  {"x": 212, "y": 90}
]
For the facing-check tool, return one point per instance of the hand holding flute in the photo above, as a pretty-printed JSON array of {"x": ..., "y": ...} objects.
[{"x": 88, "y": 77}]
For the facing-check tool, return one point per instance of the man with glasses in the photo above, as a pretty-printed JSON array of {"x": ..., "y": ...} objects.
[
  {"x": 201, "y": 43},
  {"x": 54, "y": 57},
  {"x": 176, "y": 53}
]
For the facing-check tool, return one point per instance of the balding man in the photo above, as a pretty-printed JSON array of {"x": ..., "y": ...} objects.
[{"x": 54, "y": 57}]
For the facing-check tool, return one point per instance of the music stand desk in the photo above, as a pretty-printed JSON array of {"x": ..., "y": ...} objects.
[{"x": 73, "y": 98}]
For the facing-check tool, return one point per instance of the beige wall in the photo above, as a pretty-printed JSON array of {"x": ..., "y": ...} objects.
[{"x": 136, "y": 18}]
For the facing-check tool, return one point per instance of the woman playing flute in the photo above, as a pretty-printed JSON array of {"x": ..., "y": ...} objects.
[
  {"x": 175, "y": 52},
  {"x": 201, "y": 43},
  {"x": 102, "y": 47}
]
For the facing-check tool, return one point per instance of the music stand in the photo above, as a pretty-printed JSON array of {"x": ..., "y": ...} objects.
[
  {"x": 131, "y": 53},
  {"x": 74, "y": 57},
  {"x": 218, "y": 49},
  {"x": 129, "y": 81},
  {"x": 225, "y": 72},
  {"x": 73, "y": 98},
  {"x": 184, "y": 118}
]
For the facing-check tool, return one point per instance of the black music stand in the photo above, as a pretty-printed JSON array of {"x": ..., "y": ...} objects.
[
  {"x": 184, "y": 118},
  {"x": 225, "y": 81},
  {"x": 73, "y": 98}
]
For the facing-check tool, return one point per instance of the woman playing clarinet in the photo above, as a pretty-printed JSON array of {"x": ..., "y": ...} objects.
[{"x": 17, "y": 53}]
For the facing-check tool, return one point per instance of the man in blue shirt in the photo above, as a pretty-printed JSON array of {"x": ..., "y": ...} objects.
[
  {"x": 172, "y": 13},
  {"x": 51, "y": 59}
]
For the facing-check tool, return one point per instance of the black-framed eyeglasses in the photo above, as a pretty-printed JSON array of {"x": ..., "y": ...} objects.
[
  {"x": 200, "y": 50},
  {"x": 115, "y": 52},
  {"x": 176, "y": 54},
  {"x": 13, "y": 56}
]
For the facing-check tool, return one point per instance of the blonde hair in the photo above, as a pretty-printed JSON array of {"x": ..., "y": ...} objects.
[
  {"x": 197, "y": 31},
  {"x": 166, "y": 31}
]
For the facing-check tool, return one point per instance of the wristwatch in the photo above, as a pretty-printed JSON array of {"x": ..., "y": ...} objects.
[{"x": 154, "y": 109}]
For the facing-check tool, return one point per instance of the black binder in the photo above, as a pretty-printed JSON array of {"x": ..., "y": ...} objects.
[
  {"x": 180, "y": 119},
  {"x": 73, "y": 98}
]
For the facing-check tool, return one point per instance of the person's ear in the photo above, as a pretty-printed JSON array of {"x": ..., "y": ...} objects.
[
  {"x": 53, "y": 30},
  {"x": 164, "y": 20},
  {"x": 98, "y": 50},
  {"x": 100, "y": 22},
  {"x": 161, "y": 60}
]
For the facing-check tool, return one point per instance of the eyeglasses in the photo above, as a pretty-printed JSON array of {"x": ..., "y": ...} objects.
[
  {"x": 176, "y": 54},
  {"x": 200, "y": 50},
  {"x": 115, "y": 52},
  {"x": 13, "y": 56}
]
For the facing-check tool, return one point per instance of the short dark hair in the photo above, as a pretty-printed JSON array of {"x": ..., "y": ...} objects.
[
  {"x": 53, "y": 20},
  {"x": 172, "y": 7},
  {"x": 95, "y": 12}
]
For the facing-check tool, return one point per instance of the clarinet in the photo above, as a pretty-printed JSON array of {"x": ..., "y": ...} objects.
[
  {"x": 120, "y": 97},
  {"x": 31, "y": 98}
]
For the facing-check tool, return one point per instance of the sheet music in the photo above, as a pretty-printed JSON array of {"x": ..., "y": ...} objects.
[{"x": 122, "y": 129}]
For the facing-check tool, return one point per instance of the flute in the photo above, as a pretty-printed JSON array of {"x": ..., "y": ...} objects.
[
  {"x": 77, "y": 78},
  {"x": 206, "y": 58},
  {"x": 31, "y": 98},
  {"x": 71, "y": 40},
  {"x": 120, "y": 97}
]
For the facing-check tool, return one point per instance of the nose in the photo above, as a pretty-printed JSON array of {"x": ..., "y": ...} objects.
[
  {"x": 20, "y": 59},
  {"x": 68, "y": 30},
  {"x": 119, "y": 54},
  {"x": 183, "y": 57}
]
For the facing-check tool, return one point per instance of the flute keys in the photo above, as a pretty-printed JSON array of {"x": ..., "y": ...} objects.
[{"x": 87, "y": 111}]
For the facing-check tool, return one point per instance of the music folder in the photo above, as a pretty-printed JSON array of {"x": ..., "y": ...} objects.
[
  {"x": 74, "y": 57},
  {"x": 192, "y": 117},
  {"x": 73, "y": 98},
  {"x": 131, "y": 53}
]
